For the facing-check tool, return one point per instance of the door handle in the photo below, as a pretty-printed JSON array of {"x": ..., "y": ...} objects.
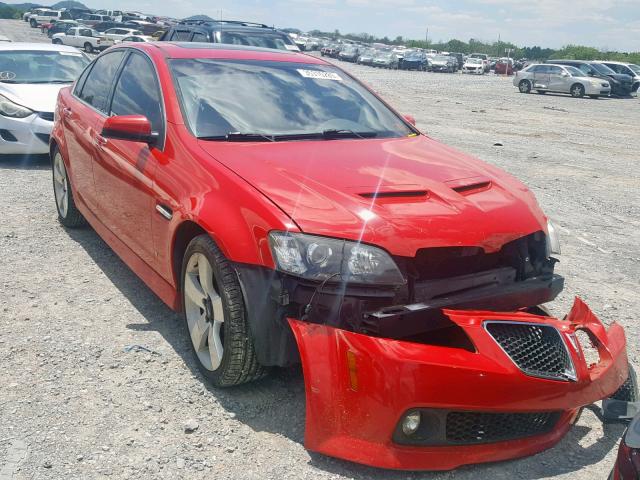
[{"x": 99, "y": 141}]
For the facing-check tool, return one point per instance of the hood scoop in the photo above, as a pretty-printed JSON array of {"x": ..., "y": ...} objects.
[
  {"x": 395, "y": 194},
  {"x": 469, "y": 186}
]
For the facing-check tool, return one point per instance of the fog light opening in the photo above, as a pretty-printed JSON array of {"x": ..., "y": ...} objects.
[{"x": 411, "y": 423}]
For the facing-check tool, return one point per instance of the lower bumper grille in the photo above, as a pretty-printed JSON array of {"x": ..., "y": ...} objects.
[
  {"x": 44, "y": 137},
  {"x": 467, "y": 428},
  {"x": 537, "y": 350},
  {"x": 439, "y": 427}
]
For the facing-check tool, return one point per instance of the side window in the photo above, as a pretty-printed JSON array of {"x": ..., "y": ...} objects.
[
  {"x": 542, "y": 69},
  {"x": 138, "y": 93},
  {"x": 80, "y": 82},
  {"x": 555, "y": 70},
  {"x": 97, "y": 86},
  {"x": 585, "y": 68},
  {"x": 85, "y": 32},
  {"x": 181, "y": 36},
  {"x": 200, "y": 37}
]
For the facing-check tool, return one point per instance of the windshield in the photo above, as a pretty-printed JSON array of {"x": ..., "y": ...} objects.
[
  {"x": 574, "y": 71},
  {"x": 635, "y": 68},
  {"x": 257, "y": 39},
  {"x": 414, "y": 55},
  {"x": 25, "y": 66},
  {"x": 474, "y": 61},
  {"x": 440, "y": 58},
  {"x": 602, "y": 69},
  {"x": 221, "y": 97}
]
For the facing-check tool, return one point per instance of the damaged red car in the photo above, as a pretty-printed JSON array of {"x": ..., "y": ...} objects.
[{"x": 294, "y": 216}]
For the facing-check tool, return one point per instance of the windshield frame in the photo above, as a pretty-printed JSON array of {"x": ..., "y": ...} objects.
[
  {"x": 412, "y": 130},
  {"x": 51, "y": 53}
]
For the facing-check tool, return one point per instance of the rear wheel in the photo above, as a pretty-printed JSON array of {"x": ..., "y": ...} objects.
[
  {"x": 57, "y": 41},
  {"x": 215, "y": 316},
  {"x": 33, "y": 23},
  {"x": 88, "y": 47},
  {"x": 577, "y": 91},
  {"x": 524, "y": 86}
]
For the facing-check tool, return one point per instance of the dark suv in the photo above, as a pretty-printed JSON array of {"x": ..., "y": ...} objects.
[
  {"x": 230, "y": 32},
  {"x": 621, "y": 85}
]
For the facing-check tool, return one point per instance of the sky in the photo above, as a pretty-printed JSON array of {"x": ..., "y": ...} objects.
[{"x": 604, "y": 24}]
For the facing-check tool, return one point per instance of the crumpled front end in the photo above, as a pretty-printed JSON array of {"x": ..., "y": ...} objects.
[{"x": 511, "y": 388}]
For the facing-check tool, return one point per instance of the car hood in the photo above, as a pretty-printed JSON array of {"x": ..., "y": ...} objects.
[
  {"x": 621, "y": 77},
  {"x": 428, "y": 195},
  {"x": 37, "y": 97}
]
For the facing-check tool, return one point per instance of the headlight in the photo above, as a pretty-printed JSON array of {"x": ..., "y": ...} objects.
[
  {"x": 320, "y": 258},
  {"x": 595, "y": 83},
  {"x": 13, "y": 110},
  {"x": 553, "y": 240}
]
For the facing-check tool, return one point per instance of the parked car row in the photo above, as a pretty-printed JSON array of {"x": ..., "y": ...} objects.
[{"x": 578, "y": 78}]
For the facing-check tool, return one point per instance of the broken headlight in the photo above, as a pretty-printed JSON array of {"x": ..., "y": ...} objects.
[
  {"x": 322, "y": 258},
  {"x": 553, "y": 240}
]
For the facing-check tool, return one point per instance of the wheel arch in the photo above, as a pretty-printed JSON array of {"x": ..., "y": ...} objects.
[{"x": 184, "y": 233}]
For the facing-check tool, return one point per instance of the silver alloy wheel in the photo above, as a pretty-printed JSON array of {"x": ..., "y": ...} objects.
[
  {"x": 577, "y": 91},
  {"x": 204, "y": 311},
  {"x": 61, "y": 185}
]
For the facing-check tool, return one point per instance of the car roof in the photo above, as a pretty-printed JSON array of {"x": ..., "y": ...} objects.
[
  {"x": 615, "y": 63},
  {"x": 45, "y": 47},
  {"x": 226, "y": 51}
]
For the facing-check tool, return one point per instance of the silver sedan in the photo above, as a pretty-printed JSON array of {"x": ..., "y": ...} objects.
[{"x": 545, "y": 78}]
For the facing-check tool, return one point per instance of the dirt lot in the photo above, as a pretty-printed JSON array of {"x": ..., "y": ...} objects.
[{"x": 77, "y": 401}]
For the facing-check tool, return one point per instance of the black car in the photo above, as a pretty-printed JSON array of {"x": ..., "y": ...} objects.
[
  {"x": 621, "y": 85},
  {"x": 75, "y": 13},
  {"x": 231, "y": 32},
  {"x": 61, "y": 27},
  {"x": 415, "y": 61}
]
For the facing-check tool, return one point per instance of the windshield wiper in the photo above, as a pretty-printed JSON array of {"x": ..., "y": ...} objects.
[
  {"x": 240, "y": 137},
  {"x": 260, "y": 137},
  {"x": 51, "y": 81},
  {"x": 344, "y": 133}
]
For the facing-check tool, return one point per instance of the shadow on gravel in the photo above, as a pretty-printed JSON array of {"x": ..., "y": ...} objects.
[
  {"x": 25, "y": 162},
  {"x": 276, "y": 404}
]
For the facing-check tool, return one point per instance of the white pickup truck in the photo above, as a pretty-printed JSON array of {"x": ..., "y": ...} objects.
[{"x": 82, "y": 37}]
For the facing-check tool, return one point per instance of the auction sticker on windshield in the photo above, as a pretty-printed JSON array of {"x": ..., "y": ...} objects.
[{"x": 319, "y": 75}]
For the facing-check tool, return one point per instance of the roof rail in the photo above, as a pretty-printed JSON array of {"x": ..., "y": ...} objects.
[{"x": 224, "y": 22}]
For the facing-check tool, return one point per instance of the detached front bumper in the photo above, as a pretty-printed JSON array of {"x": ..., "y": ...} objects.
[{"x": 477, "y": 404}]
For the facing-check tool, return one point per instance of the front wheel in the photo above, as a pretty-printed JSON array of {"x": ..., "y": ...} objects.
[
  {"x": 524, "y": 86},
  {"x": 88, "y": 47},
  {"x": 56, "y": 41},
  {"x": 68, "y": 213},
  {"x": 215, "y": 316},
  {"x": 33, "y": 23},
  {"x": 577, "y": 91}
]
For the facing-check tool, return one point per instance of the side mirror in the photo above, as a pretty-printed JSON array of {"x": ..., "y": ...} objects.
[
  {"x": 410, "y": 119},
  {"x": 135, "y": 128}
]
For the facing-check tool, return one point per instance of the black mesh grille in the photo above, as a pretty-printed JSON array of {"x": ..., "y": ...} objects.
[
  {"x": 46, "y": 116},
  {"x": 473, "y": 427},
  {"x": 538, "y": 350}
]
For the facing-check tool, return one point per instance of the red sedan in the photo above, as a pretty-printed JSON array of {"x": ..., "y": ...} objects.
[{"x": 292, "y": 215}]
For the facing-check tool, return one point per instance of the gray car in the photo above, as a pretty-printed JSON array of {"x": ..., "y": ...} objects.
[
  {"x": 386, "y": 60},
  {"x": 546, "y": 77}
]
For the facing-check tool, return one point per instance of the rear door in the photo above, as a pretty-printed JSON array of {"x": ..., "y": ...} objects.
[
  {"x": 124, "y": 169},
  {"x": 541, "y": 77},
  {"x": 83, "y": 118}
]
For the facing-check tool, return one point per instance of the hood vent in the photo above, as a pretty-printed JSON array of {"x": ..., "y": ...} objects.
[
  {"x": 472, "y": 188},
  {"x": 398, "y": 194}
]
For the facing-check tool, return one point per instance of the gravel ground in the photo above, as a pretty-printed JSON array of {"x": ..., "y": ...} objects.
[{"x": 78, "y": 401}]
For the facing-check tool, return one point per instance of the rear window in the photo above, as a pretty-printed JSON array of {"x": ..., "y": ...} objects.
[
  {"x": 181, "y": 36},
  {"x": 268, "y": 39}
]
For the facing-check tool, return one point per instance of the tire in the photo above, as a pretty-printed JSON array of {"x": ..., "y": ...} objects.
[
  {"x": 56, "y": 41},
  {"x": 524, "y": 86},
  {"x": 577, "y": 90},
  {"x": 219, "y": 319},
  {"x": 628, "y": 392},
  {"x": 68, "y": 213},
  {"x": 88, "y": 47},
  {"x": 33, "y": 23}
]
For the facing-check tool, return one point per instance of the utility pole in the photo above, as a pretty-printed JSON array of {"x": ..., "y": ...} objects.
[{"x": 426, "y": 38}]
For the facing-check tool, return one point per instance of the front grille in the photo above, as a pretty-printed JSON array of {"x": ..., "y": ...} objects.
[
  {"x": 538, "y": 350},
  {"x": 466, "y": 428},
  {"x": 46, "y": 116},
  {"x": 7, "y": 136}
]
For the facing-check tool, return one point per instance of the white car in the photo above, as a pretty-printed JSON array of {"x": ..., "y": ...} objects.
[
  {"x": 44, "y": 16},
  {"x": 117, "y": 34},
  {"x": 31, "y": 75},
  {"x": 473, "y": 65},
  {"x": 138, "y": 38},
  {"x": 82, "y": 37}
]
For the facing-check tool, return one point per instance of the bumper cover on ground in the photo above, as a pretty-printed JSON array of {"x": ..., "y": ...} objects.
[{"x": 359, "y": 387}]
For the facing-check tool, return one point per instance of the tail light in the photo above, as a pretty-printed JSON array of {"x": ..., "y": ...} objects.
[{"x": 628, "y": 463}]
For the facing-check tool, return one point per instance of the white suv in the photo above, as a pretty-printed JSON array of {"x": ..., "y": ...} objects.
[{"x": 44, "y": 16}]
